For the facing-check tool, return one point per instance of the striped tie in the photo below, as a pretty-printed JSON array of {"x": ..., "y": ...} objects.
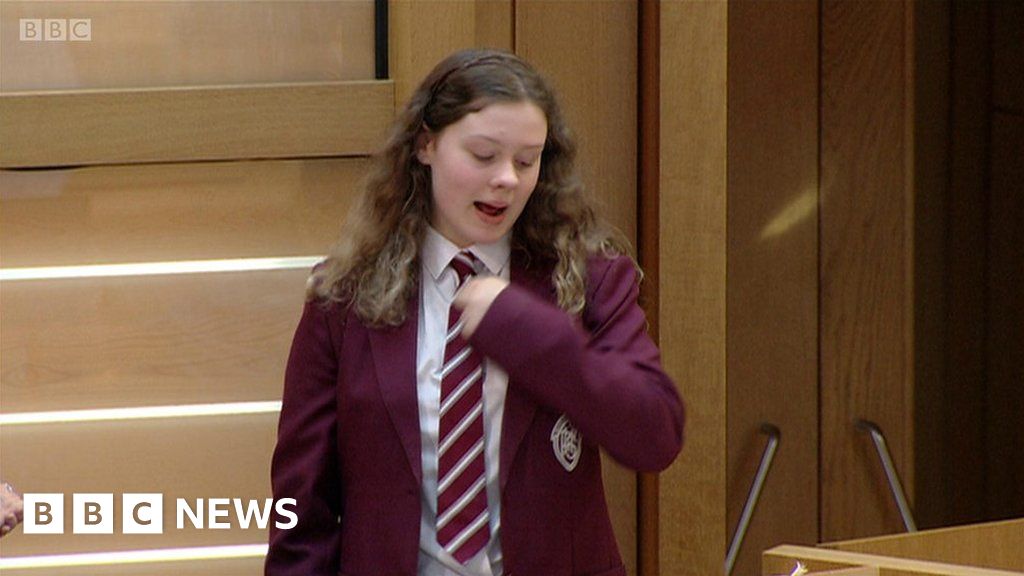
[{"x": 462, "y": 518}]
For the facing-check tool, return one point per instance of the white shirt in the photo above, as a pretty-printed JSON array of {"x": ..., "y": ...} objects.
[{"x": 437, "y": 289}]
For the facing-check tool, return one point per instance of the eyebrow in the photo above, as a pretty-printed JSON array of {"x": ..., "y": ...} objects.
[{"x": 501, "y": 143}]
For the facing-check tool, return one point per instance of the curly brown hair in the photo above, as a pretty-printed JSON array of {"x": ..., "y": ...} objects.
[{"x": 375, "y": 265}]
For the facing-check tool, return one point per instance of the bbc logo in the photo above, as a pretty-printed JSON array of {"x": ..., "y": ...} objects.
[
  {"x": 144, "y": 513},
  {"x": 55, "y": 29},
  {"x": 141, "y": 513}
]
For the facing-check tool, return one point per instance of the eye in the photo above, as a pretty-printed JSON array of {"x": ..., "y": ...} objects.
[
  {"x": 483, "y": 157},
  {"x": 526, "y": 163}
]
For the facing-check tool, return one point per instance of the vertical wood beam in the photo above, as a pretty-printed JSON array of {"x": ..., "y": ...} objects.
[
  {"x": 866, "y": 261},
  {"x": 648, "y": 253},
  {"x": 772, "y": 350},
  {"x": 691, "y": 322}
]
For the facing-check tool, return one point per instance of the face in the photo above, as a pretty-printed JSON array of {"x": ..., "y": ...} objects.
[{"x": 483, "y": 170}]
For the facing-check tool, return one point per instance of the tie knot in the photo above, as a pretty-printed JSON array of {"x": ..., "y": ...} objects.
[{"x": 464, "y": 264}]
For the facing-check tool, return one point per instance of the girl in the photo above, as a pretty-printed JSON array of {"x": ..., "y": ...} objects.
[{"x": 465, "y": 351}]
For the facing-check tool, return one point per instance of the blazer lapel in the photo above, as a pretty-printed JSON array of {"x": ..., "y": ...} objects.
[
  {"x": 394, "y": 356},
  {"x": 519, "y": 410}
]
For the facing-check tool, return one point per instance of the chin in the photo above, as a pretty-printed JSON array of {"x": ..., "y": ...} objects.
[{"x": 489, "y": 238}]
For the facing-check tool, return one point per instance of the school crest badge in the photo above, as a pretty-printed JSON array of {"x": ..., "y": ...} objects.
[{"x": 566, "y": 443}]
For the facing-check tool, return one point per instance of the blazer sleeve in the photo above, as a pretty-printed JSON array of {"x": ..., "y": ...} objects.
[
  {"x": 606, "y": 377},
  {"x": 305, "y": 462}
]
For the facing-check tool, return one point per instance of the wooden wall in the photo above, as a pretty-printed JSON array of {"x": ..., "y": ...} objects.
[
  {"x": 967, "y": 338},
  {"x": 772, "y": 273},
  {"x": 692, "y": 272},
  {"x": 130, "y": 148},
  {"x": 190, "y": 43},
  {"x": 1005, "y": 341},
  {"x": 888, "y": 291},
  {"x": 866, "y": 262}
]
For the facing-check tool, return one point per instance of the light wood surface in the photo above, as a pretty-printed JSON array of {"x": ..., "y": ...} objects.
[
  {"x": 866, "y": 265},
  {"x": 997, "y": 545},
  {"x": 190, "y": 43},
  {"x": 581, "y": 47},
  {"x": 861, "y": 571},
  {"x": 421, "y": 34},
  {"x": 782, "y": 559},
  {"x": 190, "y": 458},
  {"x": 147, "y": 340},
  {"x": 130, "y": 341},
  {"x": 495, "y": 24},
  {"x": 773, "y": 270},
  {"x": 173, "y": 212},
  {"x": 692, "y": 323},
  {"x": 589, "y": 53},
  {"x": 188, "y": 124}
]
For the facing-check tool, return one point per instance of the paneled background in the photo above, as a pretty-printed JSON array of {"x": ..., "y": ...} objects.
[{"x": 832, "y": 231}]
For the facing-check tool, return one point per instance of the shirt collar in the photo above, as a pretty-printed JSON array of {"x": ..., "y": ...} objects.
[{"x": 438, "y": 251}]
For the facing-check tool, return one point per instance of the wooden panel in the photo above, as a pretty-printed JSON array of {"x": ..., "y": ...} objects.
[
  {"x": 782, "y": 559},
  {"x": 579, "y": 46},
  {"x": 171, "y": 212},
  {"x": 200, "y": 457},
  {"x": 862, "y": 571},
  {"x": 1005, "y": 343},
  {"x": 692, "y": 324},
  {"x": 147, "y": 340},
  {"x": 992, "y": 545},
  {"x": 1007, "y": 55},
  {"x": 963, "y": 432},
  {"x": 422, "y": 33},
  {"x": 589, "y": 52},
  {"x": 931, "y": 45},
  {"x": 648, "y": 247},
  {"x": 866, "y": 264},
  {"x": 181, "y": 124},
  {"x": 189, "y": 43},
  {"x": 495, "y": 25},
  {"x": 773, "y": 269}
]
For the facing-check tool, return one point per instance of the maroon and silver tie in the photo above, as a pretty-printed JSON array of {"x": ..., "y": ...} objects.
[{"x": 462, "y": 517}]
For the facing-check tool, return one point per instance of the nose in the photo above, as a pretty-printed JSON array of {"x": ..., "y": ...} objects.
[{"x": 505, "y": 175}]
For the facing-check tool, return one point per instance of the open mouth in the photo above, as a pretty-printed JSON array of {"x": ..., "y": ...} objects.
[{"x": 490, "y": 209}]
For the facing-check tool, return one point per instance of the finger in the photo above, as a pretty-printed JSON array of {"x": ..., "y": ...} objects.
[{"x": 463, "y": 294}]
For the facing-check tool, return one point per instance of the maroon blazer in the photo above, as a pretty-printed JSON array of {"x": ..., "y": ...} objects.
[{"x": 348, "y": 447}]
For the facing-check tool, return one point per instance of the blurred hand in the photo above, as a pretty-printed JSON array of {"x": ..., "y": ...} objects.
[
  {"x": 474, "y": 298},
  {"x": 10, "y": 508}
]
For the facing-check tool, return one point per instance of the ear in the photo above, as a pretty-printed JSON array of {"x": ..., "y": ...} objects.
[{"x": 425, "y": 146}]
